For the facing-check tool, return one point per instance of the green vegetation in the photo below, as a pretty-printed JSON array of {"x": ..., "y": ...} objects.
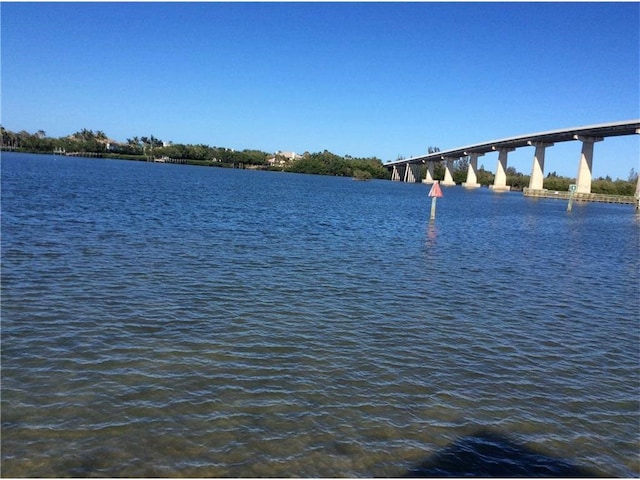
[
  {"x": 327, "y": 163},
  {"x": 362, "y": 175},
  {"x": 598, "y": 185},
  {"x": 320, "y": 163},
  {"x": 135, "y": 148},
  {"x": 82, "y": 141},
  {"x": 150, "y": 148}
]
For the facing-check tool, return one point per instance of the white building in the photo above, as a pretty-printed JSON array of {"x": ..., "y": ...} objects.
[{"x": 282, "y": 158}]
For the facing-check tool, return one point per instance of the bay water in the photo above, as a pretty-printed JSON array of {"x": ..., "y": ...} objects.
[{"x": 182, "y": 321}]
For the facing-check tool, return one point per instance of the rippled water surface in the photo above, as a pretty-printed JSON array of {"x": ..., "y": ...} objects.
[{"x": 168, "y": 320}]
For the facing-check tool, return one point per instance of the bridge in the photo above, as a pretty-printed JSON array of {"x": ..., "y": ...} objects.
[{"x": 408, "y": 169}]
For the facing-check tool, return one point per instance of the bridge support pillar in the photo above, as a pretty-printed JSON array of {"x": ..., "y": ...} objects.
[
  {"x": 472, "y": 172},
  {"x": 412, "y": 173},
  {"x": 500, "y": 182},
  {"x": 583, "y": 180},
  {"x": 448, "y": 173},
  {"x": 399, "y": 172},
  {"x": 537, "y": 171},
  {"x": 428, "y": 178}
]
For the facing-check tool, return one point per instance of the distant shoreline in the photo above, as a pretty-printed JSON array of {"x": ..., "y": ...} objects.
[{"x": 327, "y": 163}]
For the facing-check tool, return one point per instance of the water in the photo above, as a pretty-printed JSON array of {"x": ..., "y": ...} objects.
[{"x": 168, "y": 320}]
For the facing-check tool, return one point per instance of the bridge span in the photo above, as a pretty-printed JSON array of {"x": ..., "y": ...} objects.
[{"x": 407, "y": 170}]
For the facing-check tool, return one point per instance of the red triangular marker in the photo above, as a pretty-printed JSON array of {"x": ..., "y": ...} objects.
[{"x": 435, "y": 190}]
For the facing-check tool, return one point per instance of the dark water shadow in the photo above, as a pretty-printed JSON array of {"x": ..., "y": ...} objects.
[{"x": 491, "y": 454}]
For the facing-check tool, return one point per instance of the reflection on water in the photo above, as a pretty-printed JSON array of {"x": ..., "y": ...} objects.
[
  {"x": 167, "y": 320},
  {"x": 432, "y": 234}
]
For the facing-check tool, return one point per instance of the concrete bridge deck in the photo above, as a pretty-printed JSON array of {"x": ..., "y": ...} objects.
[{"x": 553, "y": 136}]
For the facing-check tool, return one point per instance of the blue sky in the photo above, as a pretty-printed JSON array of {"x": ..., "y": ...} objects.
[{"x": 359, "y": 79}]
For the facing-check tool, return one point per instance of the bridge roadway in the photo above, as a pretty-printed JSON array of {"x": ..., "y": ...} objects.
[{"x": 407, "y": 170}]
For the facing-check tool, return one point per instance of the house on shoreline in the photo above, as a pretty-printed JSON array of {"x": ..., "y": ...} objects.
[{"x": 280, "y": 159}]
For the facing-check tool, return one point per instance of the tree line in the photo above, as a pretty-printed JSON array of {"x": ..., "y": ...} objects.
[
  {"x": 135, "y": 148},
  {"x": 149, "y": 148},
  {"x": 327, "y": 163},
  {"x": 319, "y": 163}
]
